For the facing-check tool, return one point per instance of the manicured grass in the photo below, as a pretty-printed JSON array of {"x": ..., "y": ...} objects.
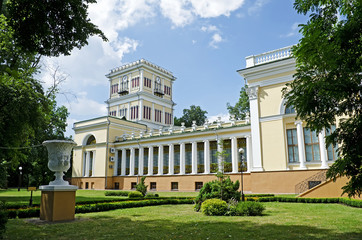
[
  {"x": 281, "y": 221},
  {"x": 13, "y": 196}
]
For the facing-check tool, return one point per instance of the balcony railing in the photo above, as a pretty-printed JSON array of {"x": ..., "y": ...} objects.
[
  {"x": 158, "y": 89},
  {"x": 123, "y": 88},
  {"x": 268, "y": 56}
]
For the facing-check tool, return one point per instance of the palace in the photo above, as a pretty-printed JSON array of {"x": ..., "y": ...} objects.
[{"x": 138, "y": 138}]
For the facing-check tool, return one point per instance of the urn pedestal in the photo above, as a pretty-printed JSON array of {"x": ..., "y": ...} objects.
[{"x": 58, "y": 198}]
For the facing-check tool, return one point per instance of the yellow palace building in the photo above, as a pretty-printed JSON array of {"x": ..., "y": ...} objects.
[{"x": 138, "y": 137}]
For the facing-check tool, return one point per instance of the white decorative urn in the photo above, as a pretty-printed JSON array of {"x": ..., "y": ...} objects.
[{"x": 59, "y": 159}]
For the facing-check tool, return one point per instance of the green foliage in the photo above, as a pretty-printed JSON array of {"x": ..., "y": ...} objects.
[
  {"x": 250, "y": 209},
  {"x": 214, "y": 189},
  {"x": 3, "y": 219},
  {"x": 117, "y": 193},
  {"x": 141, "y": 187},
  {"x": 57, "y": 26},
  {"x": 195, "y": 113},
  {"x": 327, "y": 84},
  {"x": 241, "y": 107},
  {"x": 135, "y": 194},
  {"x": 151, "y": 195},
  {"x": 214, "y": 207}
]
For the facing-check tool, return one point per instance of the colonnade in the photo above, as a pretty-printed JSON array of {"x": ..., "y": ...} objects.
[{"x": 142, "y": 157}]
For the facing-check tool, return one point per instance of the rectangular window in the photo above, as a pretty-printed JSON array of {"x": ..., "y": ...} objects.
[
  {"x": 331, "y": 150},
  {"x": 311, "y": 145},
  {"x": 133, "y": 185},
  {"x": 292, "y": 146},
  {"x": 153, "y": 186},
  {"x": 174, "y": 186},
  {"x": 198, "y": 185}
]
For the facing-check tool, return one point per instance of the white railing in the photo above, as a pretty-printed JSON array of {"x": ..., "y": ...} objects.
[{"x": 270, "y": 56}]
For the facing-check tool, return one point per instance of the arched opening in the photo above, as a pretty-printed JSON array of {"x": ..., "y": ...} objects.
[{"x": 91, "y": 140}]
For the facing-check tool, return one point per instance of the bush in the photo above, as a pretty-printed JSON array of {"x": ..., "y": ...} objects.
[
  {"x": 250, "y": 209},
  {"x": 141, "y": 187},
  {"x": 135, "y": 194},
  {"x": 224, "y": 189},
  {"x": 151, "y": 195},
  {"x": 117, "y": 193},
  {"x": 3, "y": 219},
  {"x": 214, "y": 207}
]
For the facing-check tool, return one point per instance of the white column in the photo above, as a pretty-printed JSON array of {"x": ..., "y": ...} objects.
[
  {"x": 323, "y": 149},
  {"x": 171, "y": 160},
  {"x": 234, "y": 154},
  {"x": 163, "y": 120},
  {"x": 131, "y": 162},
  {"x": 129, "y": 112},
  {"x": 182, "y": 158},
  {"x": 255, "y": 128},
  {"x": 194, "y": 157},
  {"x": 84, "y": 163},
  {"x": 117, "y": 113},
  {"x": 160, "y": 160},
  {"x": 87, "y": 165},
  {"x": 207, "y": 156},
  {"x": 141, "y": 80},
  {"x": 140, "y": 161},
  {"x": 301, "y": 148},
  {"x": 150, "y": 160},
  {"x": 140, "y": 116},
  {"x": 249, "y": 154},
  {"x": 93, "y": 162},
  {"x": 115, "y": 165},
  {"x": 123, "y": 162},
  {"x": 219, "y": 159}
]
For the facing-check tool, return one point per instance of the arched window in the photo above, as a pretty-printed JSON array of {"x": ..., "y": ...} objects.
[
  {"x": 289, "y": 109},
  {"x": 91, "y": 140}
]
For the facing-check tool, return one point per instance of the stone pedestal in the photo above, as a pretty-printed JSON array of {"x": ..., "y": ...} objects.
[{"x": 57, "y": 202}]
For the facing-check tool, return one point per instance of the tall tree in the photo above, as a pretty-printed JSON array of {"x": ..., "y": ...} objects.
[
  {"x": 328, "y": 82},
  {"x": 241, "y": 107},
  {"x": 50, "y": 28},
  {"x": 195, "y": 113}
]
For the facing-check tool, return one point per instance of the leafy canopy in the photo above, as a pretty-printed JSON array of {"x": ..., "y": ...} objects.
[
  {"x": 328, "y": 82},
  {"x": 242, "y": 107},
  {"x": 195, "y": 113},
  {"x": 50, "y": 28}
]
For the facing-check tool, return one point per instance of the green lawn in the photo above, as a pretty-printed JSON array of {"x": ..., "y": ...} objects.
[
  {"x": 281, "y": 221},
  {"x": 12, "y": 195}
]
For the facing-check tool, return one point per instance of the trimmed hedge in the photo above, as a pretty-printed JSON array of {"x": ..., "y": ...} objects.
[
  {"x": 135, "y": 194},
  {"x": 99, "y": 207},
  {"x": 259, "y": 195},
  {"x": 214, "y": 207},
  {"x": 117, "y": 193},
  {"x": 345, "y": 201}
]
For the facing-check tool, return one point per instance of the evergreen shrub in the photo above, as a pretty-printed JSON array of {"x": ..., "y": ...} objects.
[
  {"x": 141, "y": 187},
  {"x": 224, "y": 189},
  {"x": 135, "y": 194},
  {"x": 214, "y": 207},
  {"x": 117, "y": 193}
]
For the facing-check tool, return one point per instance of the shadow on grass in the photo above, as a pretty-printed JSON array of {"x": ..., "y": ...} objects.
[{"x": 105, "y": 227}]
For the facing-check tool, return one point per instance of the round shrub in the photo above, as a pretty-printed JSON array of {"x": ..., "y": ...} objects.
[
  {"x": 135, "y": 194},
  {"x": 214, "y": 207},
  {"x": 250, "y": 209}
]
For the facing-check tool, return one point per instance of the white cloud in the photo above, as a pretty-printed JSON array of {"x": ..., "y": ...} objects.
[
  {"x": 256, "y": 7},
  {"x": 215, "y": 8},
  {"x": 294, "y": 31},
  {"x": 178, "y": 11},
  {"x": 216, "y": 38},
  {"x": 83, "y": 106},
  {"x": 209, "y": 28},
  {"x": 183, "y": 12},
  {"x": 224, "y": 117}
]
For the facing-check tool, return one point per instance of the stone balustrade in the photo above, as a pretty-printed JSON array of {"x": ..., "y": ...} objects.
[{"x": 268, "y": 56}]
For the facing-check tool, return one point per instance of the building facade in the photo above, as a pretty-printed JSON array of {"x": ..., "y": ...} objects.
[{"x": 138, "y": 138}]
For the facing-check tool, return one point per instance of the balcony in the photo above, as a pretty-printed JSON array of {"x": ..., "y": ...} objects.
[
  {"x": 158, "y": 89},
  {"x": 123, "y": 88}
]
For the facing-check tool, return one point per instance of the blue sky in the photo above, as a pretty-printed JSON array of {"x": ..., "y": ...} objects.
[{"x": 203, "y": 42}]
